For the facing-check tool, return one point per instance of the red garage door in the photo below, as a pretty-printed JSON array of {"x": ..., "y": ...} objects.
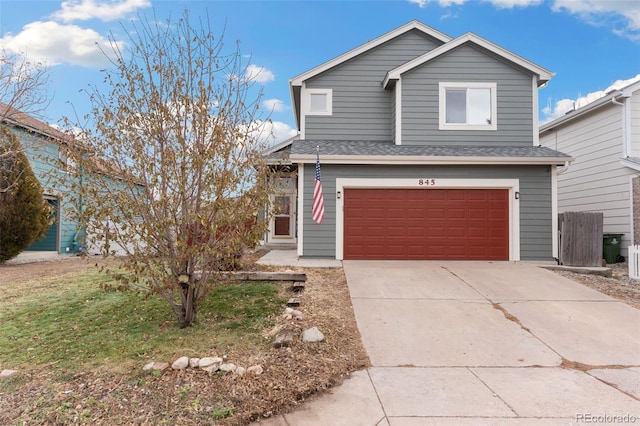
[{"x": 436, "y": 224}]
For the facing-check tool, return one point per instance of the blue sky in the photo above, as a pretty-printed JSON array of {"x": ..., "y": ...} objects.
[{"x": 591, "y": 45}]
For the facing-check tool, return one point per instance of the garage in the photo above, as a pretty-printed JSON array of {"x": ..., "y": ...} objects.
[{"x": 431, "y": 224}]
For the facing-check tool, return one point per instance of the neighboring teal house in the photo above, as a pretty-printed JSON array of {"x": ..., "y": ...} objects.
[{"x": 45, "y": 147}]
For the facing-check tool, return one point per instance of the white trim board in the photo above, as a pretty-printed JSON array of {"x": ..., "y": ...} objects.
[
  {"x": 300, "y": 209},
  {"x": 513, "y": 185}
]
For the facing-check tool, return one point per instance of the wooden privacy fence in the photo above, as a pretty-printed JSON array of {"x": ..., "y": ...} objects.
[
  {"x": 580, "y": 238},
  {"x": 634, "y": 262}
]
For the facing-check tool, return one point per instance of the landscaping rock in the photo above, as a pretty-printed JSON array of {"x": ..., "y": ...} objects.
[
  {"x": 288, "y": 311},
  {"x": 227, "y": 367},
  {"x": 194, "y": 362},
  {"x": 148, "y": 366},
  {"x": 210, "y": 361},
  {"x": 255, "y": 370},
  {"x": 180, "y": 363},
  {"x": 160, "y": 366},
  {"x": 312, "y": 335},
  {"x": 7, "y": 373},
  {"x": 297, "y": 314},
  {"x": 240, "y": 371},
  {"x": 284, "y": 338},
  {"x": 211, "y": 368}
]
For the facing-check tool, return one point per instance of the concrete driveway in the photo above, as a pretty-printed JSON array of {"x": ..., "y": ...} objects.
[{"x": 483, "y": 343}]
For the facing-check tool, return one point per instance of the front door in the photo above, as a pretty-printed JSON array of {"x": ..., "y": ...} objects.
[{"x": 283, "y": 217}]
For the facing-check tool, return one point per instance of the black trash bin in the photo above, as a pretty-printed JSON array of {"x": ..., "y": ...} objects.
[{"x": 611, "y": 248}]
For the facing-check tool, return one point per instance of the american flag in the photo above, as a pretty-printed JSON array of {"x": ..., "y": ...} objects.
[{"x": 317, "y": 212}]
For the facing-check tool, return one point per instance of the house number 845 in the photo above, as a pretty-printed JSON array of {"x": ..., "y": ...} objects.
[{"x": 427, "y": 182}]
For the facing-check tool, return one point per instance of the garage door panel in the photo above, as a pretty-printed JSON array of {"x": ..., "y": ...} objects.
[
  {"x": 435, "y": 213},
  {"x": 416, "y": 213},
  {"x": 426, "y": 224}
]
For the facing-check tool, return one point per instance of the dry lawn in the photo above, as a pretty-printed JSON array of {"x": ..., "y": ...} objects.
[{"x": 44, "y": 395}]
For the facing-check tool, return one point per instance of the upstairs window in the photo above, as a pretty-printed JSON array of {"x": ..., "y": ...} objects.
[
  {"x": 67, "y": 164},
  {"x": 468, "y": 106},
  {"x": 318, "y": 101}
]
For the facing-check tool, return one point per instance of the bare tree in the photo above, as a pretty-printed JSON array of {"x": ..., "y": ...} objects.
[
  {"x": 23, "y": 95},
  {"x": 23, "y": 85},
  {"x": 171, "y": 172}
]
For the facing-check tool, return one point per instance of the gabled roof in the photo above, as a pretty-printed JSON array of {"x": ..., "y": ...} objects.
[
  {"x": 279, "y": 153},
  {"x": 295, "y": 83},
  {"x": 625, "y": 92},
  {"x": 279, "y": 146},
  {"x": 413, "y": 25},
  {"x": 544, "y": 75}
]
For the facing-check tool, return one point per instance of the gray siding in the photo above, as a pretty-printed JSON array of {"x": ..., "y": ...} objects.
[
  {"x": 595, "y": 181},
  {"x": 361, "y": 108},
  {"x": 420, "y": 108},
  {"x": 535, "y": 201}
]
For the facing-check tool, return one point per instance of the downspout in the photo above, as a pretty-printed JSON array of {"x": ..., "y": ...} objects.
[
  {"x": 555, "y": 236},
  {"x": 626, "y": 149},
  {"x": 562, "y": 168},
  {"x": 626, "y": 153},
  {"x": 616, "y": 102}
]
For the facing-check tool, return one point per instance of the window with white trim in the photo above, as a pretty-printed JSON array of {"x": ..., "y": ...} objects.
[
  {"x": 468, "y": 106},
  {"x": 318, "y": 101}
]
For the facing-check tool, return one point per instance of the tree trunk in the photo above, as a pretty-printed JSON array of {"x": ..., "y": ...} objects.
[{"x": 188, "y": 314}]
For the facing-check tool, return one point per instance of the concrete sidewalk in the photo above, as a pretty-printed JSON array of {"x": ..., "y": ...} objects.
[
  {"x": 288, "y": 257},
  {"x": 483, "y": 343},
  {"x": 38, "y": 256}
]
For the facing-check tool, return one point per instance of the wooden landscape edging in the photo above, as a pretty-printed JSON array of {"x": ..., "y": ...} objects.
[{"x": 266, "y": 276}]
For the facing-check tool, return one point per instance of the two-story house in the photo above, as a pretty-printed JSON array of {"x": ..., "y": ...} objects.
[
  {"x": 45, "y": 148},
  {"x": 429, "y": 150},
  {"x": 604, "y": 138}
]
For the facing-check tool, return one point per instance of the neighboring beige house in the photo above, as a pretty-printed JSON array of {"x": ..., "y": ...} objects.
[{"x": 604, "y": 139}]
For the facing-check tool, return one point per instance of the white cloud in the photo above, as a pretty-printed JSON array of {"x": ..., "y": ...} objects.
[
  {"x": 622, "y": 15},
  {"x": 271, "y": 132},
  {"x": 258, "y": 74},
  {"x": 442, "y": 3},
  {"x": 273, "y": 105},
  {"x": 53, "y": 43},
  {"x": 83, "y": 10},
  {"x": 282, "y": 131},
  {"x": 563, "y": 106},
  {"x": 510, "y": 4},
  {"x": 56, "y": 41},
  {"x": 589, "y": 8}
]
